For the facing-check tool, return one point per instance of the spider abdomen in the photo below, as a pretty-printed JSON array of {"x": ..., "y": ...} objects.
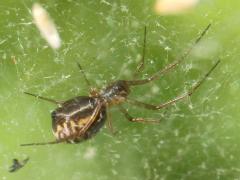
[{"x": 69, "y": 120}]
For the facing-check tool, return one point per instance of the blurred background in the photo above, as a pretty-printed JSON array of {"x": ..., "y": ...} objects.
[{"x": 197, "y": 138}]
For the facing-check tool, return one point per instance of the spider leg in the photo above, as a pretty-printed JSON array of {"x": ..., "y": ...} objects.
[
  {"x": 84, "y": 75},
  {"x": 109, "y": 123},
  {"x": 172, "y": 101},
  {"x": 44, "y": 98},
  {"x": 92, "y": 90},
  {"x": 42, "y": 143},
  {"x": 170, "y": 66},
  {"x": 92, "y": 119},
  {"x": 138, "y": 119}
]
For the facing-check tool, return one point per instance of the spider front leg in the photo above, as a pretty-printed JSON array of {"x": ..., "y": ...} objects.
[
  {"x": 167, "y": 68},
  {"x": 139, "y": 119},
  {"x": 178, "y": 98}
]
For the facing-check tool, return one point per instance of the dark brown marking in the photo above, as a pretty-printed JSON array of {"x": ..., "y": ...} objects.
[{"x": 79, "y": 111}]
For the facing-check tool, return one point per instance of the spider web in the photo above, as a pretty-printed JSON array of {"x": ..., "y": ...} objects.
[{"x": 197, "y": 137}]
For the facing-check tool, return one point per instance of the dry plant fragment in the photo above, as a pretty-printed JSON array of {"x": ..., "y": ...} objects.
[
  {"x": 170, "y": 7},
  {"x": 46, "y": 26}
]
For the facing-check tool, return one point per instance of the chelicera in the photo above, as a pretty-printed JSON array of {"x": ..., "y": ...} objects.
[{"x": 81, "y": 117}]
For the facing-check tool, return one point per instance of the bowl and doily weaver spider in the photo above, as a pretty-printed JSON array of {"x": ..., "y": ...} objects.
[{"x": 79, "y": 118}]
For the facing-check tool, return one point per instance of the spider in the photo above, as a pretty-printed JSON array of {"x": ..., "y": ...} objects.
[{"x": 81, "y": 117}]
